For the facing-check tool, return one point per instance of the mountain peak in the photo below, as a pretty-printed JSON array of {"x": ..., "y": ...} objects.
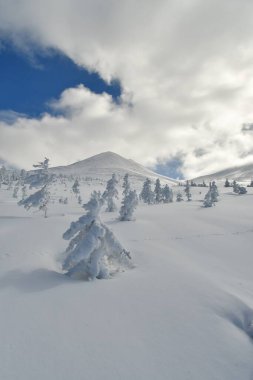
[{"x": 104, "y": 164}]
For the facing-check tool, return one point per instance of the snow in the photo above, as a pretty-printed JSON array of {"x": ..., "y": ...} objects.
[
  {"x": 243, "y": 173},
  {"x": 184, "y": 312},
  {"x": 103, "y": 165}
]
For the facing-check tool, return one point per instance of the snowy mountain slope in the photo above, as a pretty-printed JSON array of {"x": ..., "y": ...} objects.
[
  {"x": 240, "y": 173},
  {"x": 183, "y": 313},
  {"x": 104, "y": 164}
]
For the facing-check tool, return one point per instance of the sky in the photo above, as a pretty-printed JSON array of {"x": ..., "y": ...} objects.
[{"x": 166, "y": 83}]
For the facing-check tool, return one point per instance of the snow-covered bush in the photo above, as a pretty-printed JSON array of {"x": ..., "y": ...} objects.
[
  {"x": 242, "y": 190},
  {"x": 111, "y": 193},
  {"x": 129, "y": 204},
  {"x": 239, "y": 189},
  {"x": 147, "y": 195},
  {"x": 94, "y": 251}
]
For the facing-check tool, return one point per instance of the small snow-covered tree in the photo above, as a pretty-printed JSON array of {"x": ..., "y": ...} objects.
[
  {"x": 10, "y": 183},
  {"x": 227, "y": 183},
  {"x": 179, "y": 197},
  {"x": 39, "y": 199},
  {"x": 3, "y": 173},
  {"x": 235, "y": 187},
  {"x": 129, "y": 204},
  {"x": 214, "y": 191},
  {"x": 94, "y": 251},
  {"x": 188, "y": 191},
  {"x": 126, "y": 184},
  {"x": 75, "y": 187},
  {"x": 167, "y": 194},
  {"x": 208, "y": 201},
  {"x": 24, "y": 194},
  {"x": 43, "y": 164},
  {"x": 158, "y": 191},
  {"x": 111, "y": 193},
  {"x": 40, "y": 177},
  {"x": 147, "y": 195},
  {"x": 15, "y": 191}
]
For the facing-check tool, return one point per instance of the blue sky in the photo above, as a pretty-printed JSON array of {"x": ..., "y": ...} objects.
[{"x": 28, "y": 83}]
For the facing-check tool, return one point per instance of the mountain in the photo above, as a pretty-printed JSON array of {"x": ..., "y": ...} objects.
[
  {"x": 101, "y": 166},
  {"x": 238, "y": 173}
]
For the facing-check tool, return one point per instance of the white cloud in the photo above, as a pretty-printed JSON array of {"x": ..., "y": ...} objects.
[{"x": 186, "y": 66}]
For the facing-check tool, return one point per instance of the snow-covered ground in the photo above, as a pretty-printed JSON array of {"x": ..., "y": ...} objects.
[{"x": 185, "y": 312}]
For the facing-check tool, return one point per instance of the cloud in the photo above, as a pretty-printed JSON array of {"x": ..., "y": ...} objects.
[
  {"x": 185, "y": 68},
  {"x": 10, "y": 117}
]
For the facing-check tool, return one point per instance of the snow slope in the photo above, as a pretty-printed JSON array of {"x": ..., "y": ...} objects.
[
  {"x": 104, "y": 164},
  {"x": 183, "y": 313},
  {"x": 239, "y": 173}
]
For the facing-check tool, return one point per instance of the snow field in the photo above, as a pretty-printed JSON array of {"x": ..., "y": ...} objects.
[{"x": 183, "y": 312}]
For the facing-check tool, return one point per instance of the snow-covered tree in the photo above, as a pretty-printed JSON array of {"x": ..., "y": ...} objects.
[
  {"x": 208, "y": 201},
  {"x": 167, "y": 194},
  {"x": 43, "y": 164},
  {"x": 3, "y": 173},
  {"x": 126, "y": 184},
  {"x": 39, "y": 199},
  {"x": 75, "y": 187},
  {"x": 94, "y": 251},
  {"x": 24, "y": 194},
  {"x": 10, "y": 183},
  {"x": 235, "y": 187},
  {"x": 111, "y": 193},
  {"x": 147, "y": 195},
  {"x": 40, "y": 177},
  {"x": 179, "y": 197},
  {"x": 214, "y": 191},
  {"x": 188, "y": 191},
  {"x": 129, "y": 204},
  {"x": 158, "y": 191},
  {"x": 227, "y": 183},
  {"x": 15, "y": 191}
]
